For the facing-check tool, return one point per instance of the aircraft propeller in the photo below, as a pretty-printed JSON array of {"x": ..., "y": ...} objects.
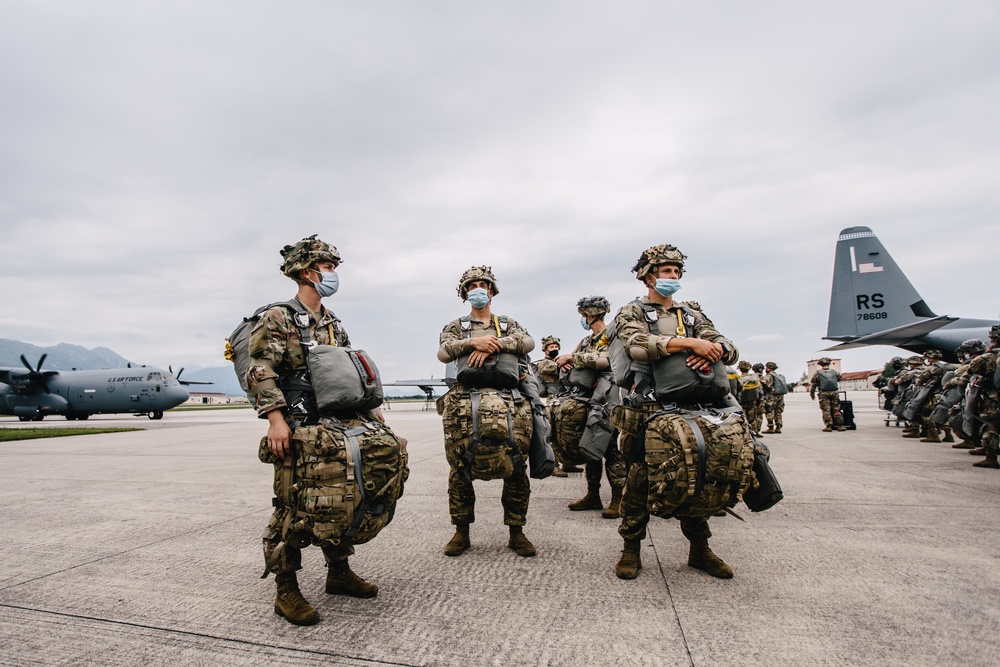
[
  {"x": 177, "y": 376},
  {"x": 36, "y": 374}
]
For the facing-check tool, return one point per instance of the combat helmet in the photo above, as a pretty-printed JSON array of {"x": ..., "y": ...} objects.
[
  {"x": 771, "y": 366},
  {"x": 593, "y": 306},
  {"x": 995, "y": 333},
  {"x": 550, "y": 340},
  {"x": 896, "y": 362},
  {"x": 656, "y": 255},
  {"x": 306, "y": 253},
  {"x": 973, "y": 346},
  {"x": 825, "y": 361},
  {"x": 932, "y": 354},
  {"x": 477, "y": 273},
  {"x": 758, "y": 368},
  {"x": 744, "y": 365},
  {"x": 915, "y": 359}
]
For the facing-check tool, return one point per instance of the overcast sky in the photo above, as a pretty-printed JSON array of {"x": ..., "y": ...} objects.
[{"x": 155, "y": 157}]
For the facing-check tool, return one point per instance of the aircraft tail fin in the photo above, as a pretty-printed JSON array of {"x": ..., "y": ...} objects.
[{"x": 870, "y": 293}]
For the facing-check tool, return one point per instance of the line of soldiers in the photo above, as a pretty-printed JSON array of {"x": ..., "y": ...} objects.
[
  {"x": 936, "y": 399},
  {"x": 761, "y": 391}
]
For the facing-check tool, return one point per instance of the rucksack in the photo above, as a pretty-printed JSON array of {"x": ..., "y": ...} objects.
[
  {"x": 828, "y": 380},
  {"x": 780, "y": 384}
]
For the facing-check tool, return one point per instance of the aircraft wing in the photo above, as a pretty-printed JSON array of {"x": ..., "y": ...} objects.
[
  {"x": 187, "y": 382},
  {"x": 899, "y": 336},
  {"x": 430, "y": 382}
]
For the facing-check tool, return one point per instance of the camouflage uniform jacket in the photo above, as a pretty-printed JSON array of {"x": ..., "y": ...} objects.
[
  {"x": 547, "y": 371},
  {"x": 456, "y": 344},
  {"x": 589, "y": 350},
  {"x": 276, "y": 348},
  {"x": 767, "y": 384},
  {"x": 984, "y": 366},
  {"x": 633, "y": 330},
  {"x": 814, "y": 384},
  {"x": 930, "y": 376},
  {"x": 960, "y": 378}
]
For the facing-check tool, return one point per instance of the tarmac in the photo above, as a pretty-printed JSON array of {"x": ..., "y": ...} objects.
[{"x": 144, "y": 548}]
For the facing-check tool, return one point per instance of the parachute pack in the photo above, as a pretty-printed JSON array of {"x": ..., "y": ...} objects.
[
  {"x": 828, "y": 380},
  {"x": 341, "y": 378},
  {"x": 780, "y": 384},
  {"x": 499, "y": 370}
]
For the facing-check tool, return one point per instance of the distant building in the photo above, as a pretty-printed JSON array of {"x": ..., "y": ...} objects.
[
  {"x": 858, "y": 380},
  {"x": 213, "y": 398}
]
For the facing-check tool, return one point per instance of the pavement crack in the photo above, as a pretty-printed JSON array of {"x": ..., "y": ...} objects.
[
  {"x": 673, "y": 605},
  {"x": 204, "y": 635},
  {"x": 125, "y": 551}
]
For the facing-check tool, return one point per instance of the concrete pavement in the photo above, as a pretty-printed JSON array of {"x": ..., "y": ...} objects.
[{"x": 144, "y": 548}]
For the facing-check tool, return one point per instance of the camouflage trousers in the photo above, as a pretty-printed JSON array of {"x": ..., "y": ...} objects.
[
  {"x": 989, "y": 413},
  {"x": 773, "y": 409},
  {"x": 290, "y": 557},
  {"x": 614, "y": 468},
  {"x": 514, "y": 498},
  {"x": 752, "y": 413},
  {"x": 635, "y": 498},
  {"x": 829, "y": 405}
]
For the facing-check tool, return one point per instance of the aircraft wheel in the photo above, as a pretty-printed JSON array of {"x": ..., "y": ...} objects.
[
  {"x": 70, "y": 417},
  {"x": 156, "y": 414},
  {"x": 24, "y": 419},
  {"x": 38, "y": 418},
  {"x": 83, "y": 415}
]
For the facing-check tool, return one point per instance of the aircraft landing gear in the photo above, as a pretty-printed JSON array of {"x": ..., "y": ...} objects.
[
  {"x": 72, "y": 416},
  {"x": 31, "y": 418},
  {"x": 156, "y": 414}
]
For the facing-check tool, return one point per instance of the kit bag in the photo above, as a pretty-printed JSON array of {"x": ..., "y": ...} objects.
[
  {"x": 341, "y": 481},
  {"x": 920, "y": 397},
  {"x": 780, "y": 384},
  {"x": 698, "y": 462},
  {"x": 765, "y": 492},
  {"x": 499, "y": 371},
  {"x": 828, "y": 380},
  {"x": 581, "y": 378},
  {"x": 487, "y": 432}
]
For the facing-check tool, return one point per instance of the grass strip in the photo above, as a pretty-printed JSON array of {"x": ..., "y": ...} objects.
[{"x": 8, "y": 434}]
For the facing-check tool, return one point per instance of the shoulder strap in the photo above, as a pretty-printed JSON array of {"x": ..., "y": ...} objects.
[{"x": 652, "y": 317}]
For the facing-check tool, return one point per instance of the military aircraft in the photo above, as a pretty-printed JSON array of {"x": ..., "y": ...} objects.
[
  {"x": 428, "y": 384},
  {"x": 873, "y": 303},
  {"x": 31, "y": 394}
]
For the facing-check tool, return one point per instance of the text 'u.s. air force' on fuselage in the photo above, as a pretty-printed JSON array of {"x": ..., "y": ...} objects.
[
  {"x": 32, "y": 394},
  {"x": 873, "y": 303}
]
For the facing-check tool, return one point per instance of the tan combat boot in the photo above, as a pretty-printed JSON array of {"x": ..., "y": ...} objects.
[
  {"x": 948, "y": 437},
  {"x": 459, "y": 541},
  {"x": 591, "y": 501},
  {"x": 701, "y": 557},
  {"x": 289, "y": 603},
  {"x": 630, "y": 562},
  {"x": 989, "y": 462},
  {"x": 930, "y": 438},
  {"x": 978, "y": 451},
  {"x": 841, "y": 428},
  {"x": 614, "y": 510},
  {"x": 341, "y": 580},
  {"x": 557, "y": 471},
  {"x": 572, "y": 468},
  {"x": 768, "y": 430},
  {"x": 520, "y": 543},
  {"x": 965, "y": 444},
  {"x": 828, "y": 429}
]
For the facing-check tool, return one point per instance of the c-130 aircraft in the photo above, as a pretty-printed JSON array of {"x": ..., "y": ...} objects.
[
  {"x": 31, "y": 394},
  {"x": 873, "y": 303}
]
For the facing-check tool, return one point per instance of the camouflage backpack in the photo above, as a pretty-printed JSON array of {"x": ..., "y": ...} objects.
[
  {"x": 342, "y": 481},
  {"x": 699, "y": 462}
]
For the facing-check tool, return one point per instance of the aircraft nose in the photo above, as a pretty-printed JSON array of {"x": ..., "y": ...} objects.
[{"x": 177, "y": 395}]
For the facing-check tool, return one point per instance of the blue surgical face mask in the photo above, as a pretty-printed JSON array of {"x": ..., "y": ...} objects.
[
  {"x": 328, "y": 285},
  {"x": 667, "y": 286},
  {"x": 583, "y": 323},
  {"x": 479, "y": 297}
]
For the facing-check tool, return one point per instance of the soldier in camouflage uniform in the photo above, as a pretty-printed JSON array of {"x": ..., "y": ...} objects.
[
  {"x": 829, "y": 399},
  {"x": 478, "y": 337},
  {"x": 276, "y": 349},
  {"x": 660, "y": 268},
  {"x": 569, "y": 420},
  {"x": 548, "y": 375},
  {"x": 750, "y": 394},
  {"x": 930, "y": 377},
  {"x": 758, "y": 369},
  {"x": 905, "y": 383},
  {"x": 884, "y": 383},
  {"x": 966, "y": 352},
  {"x": 774, "y": 405},
  {"x": 984, "y": 392}
]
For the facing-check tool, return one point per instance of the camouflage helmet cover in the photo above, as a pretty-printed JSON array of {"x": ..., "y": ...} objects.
[
  {"x": 973, "y": 346},
  {"x": 305, "y": 254},
  {"x": 758, "y": 367},
  {"x": 656, "y": 255},
  {"x": 771, "y": 365},
  {"x": 592, "y": 306},
  {"x": 477, "y": 273},
  {"x": 932, "y": 354},
  {"x": 550, "y": 340},
  {"x": 744, "y": 365},
  {"x": 825, "y": 361},
  {"x": 915, "y": 359},
  {"x": 995, "y": 333},
  {"x": 896, "y": 361}
]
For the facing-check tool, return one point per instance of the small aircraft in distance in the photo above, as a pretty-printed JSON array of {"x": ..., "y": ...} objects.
[
  {"x": 31, "y": 394},
  {"x": 428, "y": 384},
  {"x": 873, "y": 303}
]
